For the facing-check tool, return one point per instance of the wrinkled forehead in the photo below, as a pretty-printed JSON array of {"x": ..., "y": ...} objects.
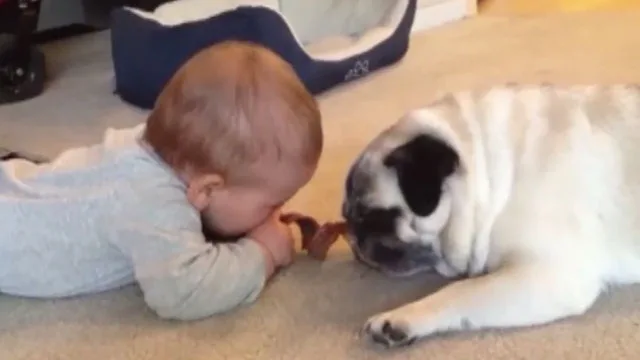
[{"x": 368, "y": 179}]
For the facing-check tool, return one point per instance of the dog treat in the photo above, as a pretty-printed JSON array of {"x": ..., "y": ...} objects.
[{"x": 316, "y": 239}]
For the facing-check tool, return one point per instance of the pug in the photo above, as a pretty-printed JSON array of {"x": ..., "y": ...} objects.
[{"x": 526, "y": 197}]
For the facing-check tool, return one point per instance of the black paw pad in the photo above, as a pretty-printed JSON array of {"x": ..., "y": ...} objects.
[
  {"x": 391, "y": 336},
  {"x": 396, "y": 335}
]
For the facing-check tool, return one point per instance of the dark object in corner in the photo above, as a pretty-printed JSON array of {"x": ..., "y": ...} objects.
[{"x": 22, "y": 66}]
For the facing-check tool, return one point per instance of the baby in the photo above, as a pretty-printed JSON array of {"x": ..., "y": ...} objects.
[{"x": 233, "y": 135}]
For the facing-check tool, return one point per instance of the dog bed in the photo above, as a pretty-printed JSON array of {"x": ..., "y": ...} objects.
[{"x": 328, "y": 42}]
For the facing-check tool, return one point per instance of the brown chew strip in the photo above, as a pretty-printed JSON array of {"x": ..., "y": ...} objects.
[{"x": 316, "y": 239}]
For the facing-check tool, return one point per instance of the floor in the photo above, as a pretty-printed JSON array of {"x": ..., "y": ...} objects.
[
  {"x": 503, "y": 7},
  {"x": 318, "y": 308}
]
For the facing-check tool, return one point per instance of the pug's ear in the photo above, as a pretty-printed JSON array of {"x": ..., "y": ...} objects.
[{"x": 422, "y": 164}]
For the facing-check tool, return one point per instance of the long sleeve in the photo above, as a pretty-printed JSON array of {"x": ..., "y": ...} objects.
[
  {"x": 184, "y": 278},
  {"x": 103, "y": 216}
]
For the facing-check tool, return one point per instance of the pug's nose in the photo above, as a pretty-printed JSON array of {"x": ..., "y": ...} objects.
[
  {"x": 352, "y": 210},
  {"x": 346, "y": 208}
]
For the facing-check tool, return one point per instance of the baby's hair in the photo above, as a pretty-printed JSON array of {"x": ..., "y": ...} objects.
[{"x": 230, "y": 106}]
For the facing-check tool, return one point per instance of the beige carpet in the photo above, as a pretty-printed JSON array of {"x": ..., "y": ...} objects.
[{"x": 313, "y": 310}]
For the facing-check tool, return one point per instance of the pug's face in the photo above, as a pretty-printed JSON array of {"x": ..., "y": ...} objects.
[{"x": 396, "y": 203}]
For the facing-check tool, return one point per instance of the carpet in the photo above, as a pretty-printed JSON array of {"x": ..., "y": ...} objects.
[{"x": 314, "y": 310}]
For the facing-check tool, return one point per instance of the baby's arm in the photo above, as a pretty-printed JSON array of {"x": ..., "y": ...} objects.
[{"x": 185, "y": 278}]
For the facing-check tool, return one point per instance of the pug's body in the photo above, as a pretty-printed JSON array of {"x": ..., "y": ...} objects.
[{"x": 527, "y": 196}]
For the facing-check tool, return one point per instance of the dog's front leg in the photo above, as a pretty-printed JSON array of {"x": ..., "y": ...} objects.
[{"x": 513, "y": 296}]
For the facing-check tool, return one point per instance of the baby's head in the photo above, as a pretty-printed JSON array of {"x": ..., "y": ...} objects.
[{"x": 240, "y": 128}]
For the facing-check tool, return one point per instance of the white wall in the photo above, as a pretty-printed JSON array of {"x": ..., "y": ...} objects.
[{"x": 432, "y": 13}]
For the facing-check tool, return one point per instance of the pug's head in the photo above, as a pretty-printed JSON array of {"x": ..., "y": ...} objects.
[{"x": 397, "y": 203}]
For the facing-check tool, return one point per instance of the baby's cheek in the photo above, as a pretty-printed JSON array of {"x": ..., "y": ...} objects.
[{"x": 251, "y": 220}]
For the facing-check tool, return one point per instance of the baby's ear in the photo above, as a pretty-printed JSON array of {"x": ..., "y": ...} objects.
[{"x": 201, "y": 190}]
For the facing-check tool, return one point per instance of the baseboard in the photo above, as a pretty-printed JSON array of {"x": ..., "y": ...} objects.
[{"x": 440, "y": 13}]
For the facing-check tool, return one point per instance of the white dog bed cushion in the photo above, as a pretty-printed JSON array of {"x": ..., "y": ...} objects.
[{"x": 328, "y": 42}]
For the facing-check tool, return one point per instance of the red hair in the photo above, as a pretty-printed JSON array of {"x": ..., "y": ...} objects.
[{"x": 230, "y": 106}]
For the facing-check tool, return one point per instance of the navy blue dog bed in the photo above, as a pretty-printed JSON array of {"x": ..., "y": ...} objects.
[{"x": 326, "y": 42}]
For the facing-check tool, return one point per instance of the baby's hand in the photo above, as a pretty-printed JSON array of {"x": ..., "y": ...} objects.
[
  {"x": 277, "y": 239},
  {"x": 316, "y": 239}
]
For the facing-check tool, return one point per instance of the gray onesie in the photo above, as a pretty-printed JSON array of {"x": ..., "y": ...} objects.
[{"x": 101, "y": 217}]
